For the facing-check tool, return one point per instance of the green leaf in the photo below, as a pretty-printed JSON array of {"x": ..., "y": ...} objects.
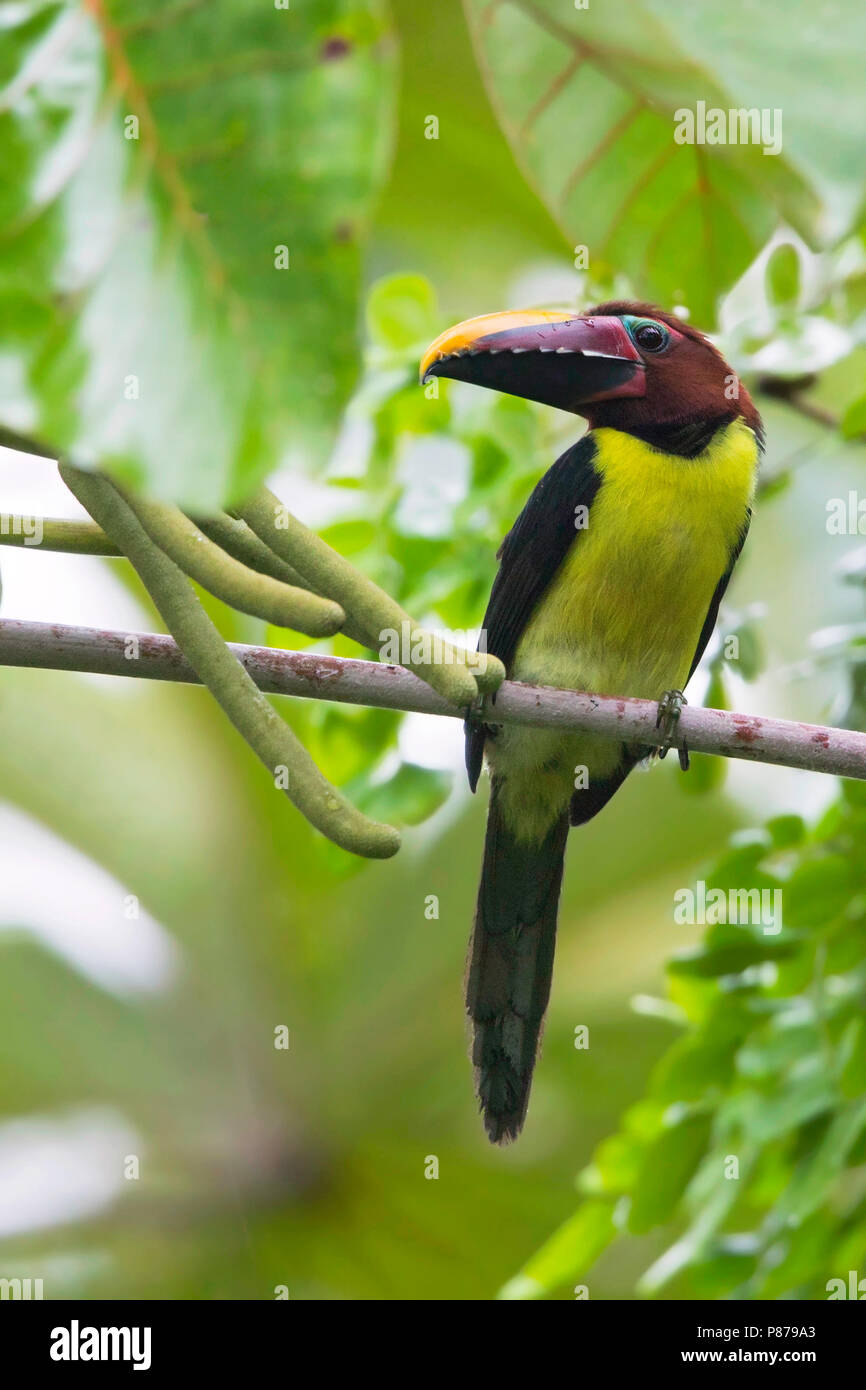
[
  {"x": 715, "y": 1276},
  {"x": 817, "y": 891},
  {"x": 794, "y": 1103},
  {"x": 783, "y": 275},
  {"x": 184, "y": 192},
  {"x": 796, "y": 1254},
  {"x": 592, "y": 119},
  {"x": 775, "y": 484},
  {"x": 816, "y": 1175},
  {"x": 567, "y": 1255},
  {"x": 854, "y": 419},
  {"x": 349, "y": 537},
  {"x": 614, "y": 1168},
  {"x": 740, "y": 864},
  {"x": 692, "y": 1067},
  {"x": 846, "y": 941},
  {"x": 735, "y": 956},
  {"x": 750, "y": 658},
  {"x": 409, "y": 797},
  {"x": 668, "y": 1165},
  {"x": 402, "y": 313},
  {"x": 786, "y": 831},
  {"x": 853, "y": 792},
  {"x": 813, "y": 76},
  {"x": 777, "y": 1049},
  {"x": 716, "y": 696},
  {"x": 852, "y": 1078}
]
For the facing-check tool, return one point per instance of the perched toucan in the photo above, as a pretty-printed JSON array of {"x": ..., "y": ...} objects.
[{"x": 609, "y": 581}]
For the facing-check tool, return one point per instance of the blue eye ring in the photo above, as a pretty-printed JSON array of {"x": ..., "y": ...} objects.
[{"x": 647, "y": 334}]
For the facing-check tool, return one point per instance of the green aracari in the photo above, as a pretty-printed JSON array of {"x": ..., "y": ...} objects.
[{"x": 609, "y": 581}]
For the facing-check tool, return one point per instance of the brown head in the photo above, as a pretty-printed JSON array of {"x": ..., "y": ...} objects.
[{"x": 625, "y": 365}]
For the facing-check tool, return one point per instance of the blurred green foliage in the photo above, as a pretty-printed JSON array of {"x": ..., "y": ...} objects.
[
  {"x": 186, "y": 188},
  {"x": 752, "y": 1132},
  {"x": 685, "y": 221},
  {"x": 306, "y": 1168}
]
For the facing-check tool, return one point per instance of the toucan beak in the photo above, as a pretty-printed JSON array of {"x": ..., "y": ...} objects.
[{"x": 546, "y": 356}]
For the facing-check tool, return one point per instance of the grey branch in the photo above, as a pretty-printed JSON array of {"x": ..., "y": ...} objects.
[{"x": 314, "y": 676}]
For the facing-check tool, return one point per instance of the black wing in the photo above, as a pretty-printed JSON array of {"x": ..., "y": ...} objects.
[
  {"x": 715, "y": 602},
  {"x": 529, "y": 557}
]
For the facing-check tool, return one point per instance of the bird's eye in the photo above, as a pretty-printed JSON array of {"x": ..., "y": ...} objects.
[{"x": 650, "y": 336}]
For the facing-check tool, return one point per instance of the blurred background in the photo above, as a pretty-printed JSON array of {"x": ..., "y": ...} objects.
[{"x": 162, "y": 911}]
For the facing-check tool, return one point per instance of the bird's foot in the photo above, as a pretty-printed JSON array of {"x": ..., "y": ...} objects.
[
  {"x": 670, "y": 708},
  {"x": 475, "y": 711},
  {"x": 478, "y": 715}
]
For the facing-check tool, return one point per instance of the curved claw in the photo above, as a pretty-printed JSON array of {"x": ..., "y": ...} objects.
[
  {"x": 475, "y": 711},
  {"x": 670, "y": 708}
]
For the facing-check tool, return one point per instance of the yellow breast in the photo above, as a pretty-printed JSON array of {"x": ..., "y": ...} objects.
[{"x": 625, "y": 611}]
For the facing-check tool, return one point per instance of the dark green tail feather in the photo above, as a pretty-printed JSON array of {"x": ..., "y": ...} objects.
[{"x": 510, "y": 966}]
